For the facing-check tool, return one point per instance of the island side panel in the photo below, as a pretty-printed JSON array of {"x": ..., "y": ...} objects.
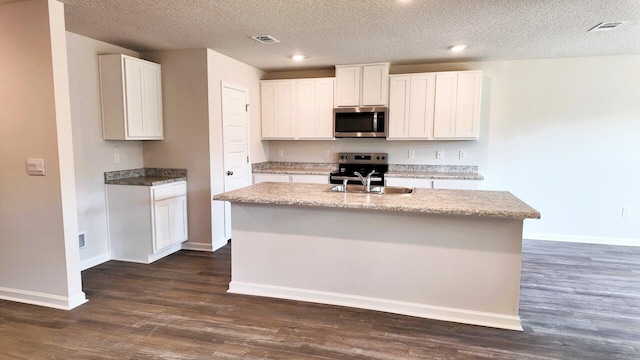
[{"x": 456, "y": 268}]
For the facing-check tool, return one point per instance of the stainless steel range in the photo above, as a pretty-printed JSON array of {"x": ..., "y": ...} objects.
[{"x": 373, "y": 164}]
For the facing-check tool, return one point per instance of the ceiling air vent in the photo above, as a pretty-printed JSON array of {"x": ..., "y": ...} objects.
[
  {"x": 606, "y": 26},
  {"x": 265, "y": 39}
]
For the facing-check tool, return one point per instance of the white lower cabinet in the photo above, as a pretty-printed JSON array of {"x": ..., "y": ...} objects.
[
  {"x": 409, "y": 182},
  {"x": 434, "y": 183},
  {"x": 146, "y": 223},
  {"x": 308, "y": 179},
  {"x": 457, "y": 184}
]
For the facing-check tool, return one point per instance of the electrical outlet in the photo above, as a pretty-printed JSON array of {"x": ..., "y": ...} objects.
[
  {"x": 280, "y": 153},
  {"x": 412, "y": 154},
  {"x": 326, "y": 154},
  {"x": 626, "y": 212},
  {"x": 116, "y": 158},
  {"x": 439, "y": 154},
  {"x": 463, "y": 155}
]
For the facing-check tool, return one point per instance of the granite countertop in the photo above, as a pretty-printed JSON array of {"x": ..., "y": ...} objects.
[
  {"x": 496, "y": 204},
  {"x": 145, "y": 176},
  {"x": 294, "y": 168},
  {"x": 448, "y": 172}
]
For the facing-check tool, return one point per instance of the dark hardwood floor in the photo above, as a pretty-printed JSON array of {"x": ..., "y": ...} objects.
[{"x": 578, "y": 301}]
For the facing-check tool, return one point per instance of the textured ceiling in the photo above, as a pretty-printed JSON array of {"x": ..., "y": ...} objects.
[{"x": 333, "y": 32}]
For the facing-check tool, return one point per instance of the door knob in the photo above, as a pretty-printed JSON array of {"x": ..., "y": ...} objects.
[{"x": 229, "y": 173}]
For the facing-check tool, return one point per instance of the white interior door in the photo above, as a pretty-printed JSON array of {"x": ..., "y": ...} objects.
[
  {"x": 235, "y": 137},
  {"x": 235, "y": 133}
]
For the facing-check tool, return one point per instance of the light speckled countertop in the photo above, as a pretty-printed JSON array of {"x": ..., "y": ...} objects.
[
  {"x": 294, "y": 168},
  {"x": 497, "y": 204},
  {"x": 145, "y": 176},
  {"x": 448, "y": 172}
]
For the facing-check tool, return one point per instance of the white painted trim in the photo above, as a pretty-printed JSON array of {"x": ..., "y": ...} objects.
[
  {"x": 220, "y": 243},
  {"x": 197, "y": 246},
  {"x": 582, "y": 239},
  {"x": 164, "y": 252},
  {"x": 94, "y": 261},
  {"x": 391, "y": 306},
  {"x": 43, "y": 299},
  {"x": 205, "y": 246}
]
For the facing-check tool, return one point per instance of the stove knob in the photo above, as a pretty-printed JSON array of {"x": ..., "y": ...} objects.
[{"x": 377, "y": 157}]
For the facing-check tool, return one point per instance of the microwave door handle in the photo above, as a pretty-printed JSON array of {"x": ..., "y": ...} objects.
[{"x": 375, "y": 121}]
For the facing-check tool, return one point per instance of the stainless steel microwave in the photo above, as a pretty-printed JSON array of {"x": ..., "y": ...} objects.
[{"x": 360, "y": 122}]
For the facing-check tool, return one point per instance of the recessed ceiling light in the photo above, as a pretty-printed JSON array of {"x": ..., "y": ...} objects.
[
  {"x": 298, "y": 57},
  {"x": 458, "y": 48}
]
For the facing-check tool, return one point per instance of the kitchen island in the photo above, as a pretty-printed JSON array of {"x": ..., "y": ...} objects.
[{"x": 450, "y": 255}]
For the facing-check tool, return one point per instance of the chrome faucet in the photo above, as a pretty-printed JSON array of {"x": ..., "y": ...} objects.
[
  {"x": 366, "y": 180},
  {"x": 344, "y": 185}
]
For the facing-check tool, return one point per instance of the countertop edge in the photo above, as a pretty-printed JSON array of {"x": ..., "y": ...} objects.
[
  {"x": 263, "y": 194},
  {"x": 144, "y": 181}
]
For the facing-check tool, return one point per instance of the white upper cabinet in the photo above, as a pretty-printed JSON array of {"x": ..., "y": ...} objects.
[
  {"x": 297, "y": 109},
  {"x": 431, "y": 106},
  {"x": 279, "y": 109},
  {"x": 315, "y": 109},
  {"x": 457, "y": 105},
  {"x": 131, "y": 94},
  {"x": 399, "y": 93},
  {"x": 362, "y": 85},
  {"x": 411, "y": 104}
]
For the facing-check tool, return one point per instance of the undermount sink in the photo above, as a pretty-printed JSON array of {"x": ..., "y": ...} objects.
[{"x": 378, "y": 190}]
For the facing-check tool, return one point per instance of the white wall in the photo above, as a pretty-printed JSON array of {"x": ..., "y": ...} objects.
[
  {"x": 193, "y": 132},
  {"x": 561, "y": 134},
  {"x": 223, "y": 68},
  {"x": 186, "y": 134},
  {"x": 93, "y": 155},
  {"x": 39, "y": 261}
]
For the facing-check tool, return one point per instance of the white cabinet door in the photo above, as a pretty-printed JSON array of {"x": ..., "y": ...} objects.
[
  {"x": 375, "y": 84},
  {"x": 279, "y": 103},
  {"x": 131, "y": 94},
  {"x": 468, "y": 104},
  {"x": 268, "y": 109},
  {"x": 457, "y": 106},
  {"x": 315, "y": 109},
  {"x": 324, "y": 108},
  {"x": 310, "y": 179},
  {"x": 348, "y": 85},
  {"x": 445, "y": 105},
  {"x": 421, "y": 106},
  {"x": 286, "y": 108},
  {"x": 409, "y": 182},
  {"x": 399, "y": 88},
  {"x": 362, "y": 85},
  {"x": 170, "y": 222},
  {"x": 457, "y": 184},
  {"x": 264, "y": 177}
]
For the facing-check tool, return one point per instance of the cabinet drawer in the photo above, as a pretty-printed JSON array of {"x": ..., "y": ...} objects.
[{"x": 169, "y": 191}]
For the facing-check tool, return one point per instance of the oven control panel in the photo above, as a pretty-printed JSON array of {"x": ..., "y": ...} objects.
[{"x": 362, "y": 158}]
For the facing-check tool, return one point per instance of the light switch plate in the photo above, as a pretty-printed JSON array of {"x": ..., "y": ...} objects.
[{"x": 35, "y": 167}]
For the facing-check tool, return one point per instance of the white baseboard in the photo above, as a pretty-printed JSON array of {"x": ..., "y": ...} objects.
[
  {"x": 204, "y": 246},
  {"x": 94, "y": 261},
  {"x": 43, "y": 299},
  {"x": 582, "y": 239},
  {"x": 220, "y": 243},
  {"x": 397, "y": 307},
  {"x": 197, "y": 246}
]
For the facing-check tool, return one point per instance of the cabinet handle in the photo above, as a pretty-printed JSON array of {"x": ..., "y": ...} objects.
[{"x": 229, "y": 173}]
